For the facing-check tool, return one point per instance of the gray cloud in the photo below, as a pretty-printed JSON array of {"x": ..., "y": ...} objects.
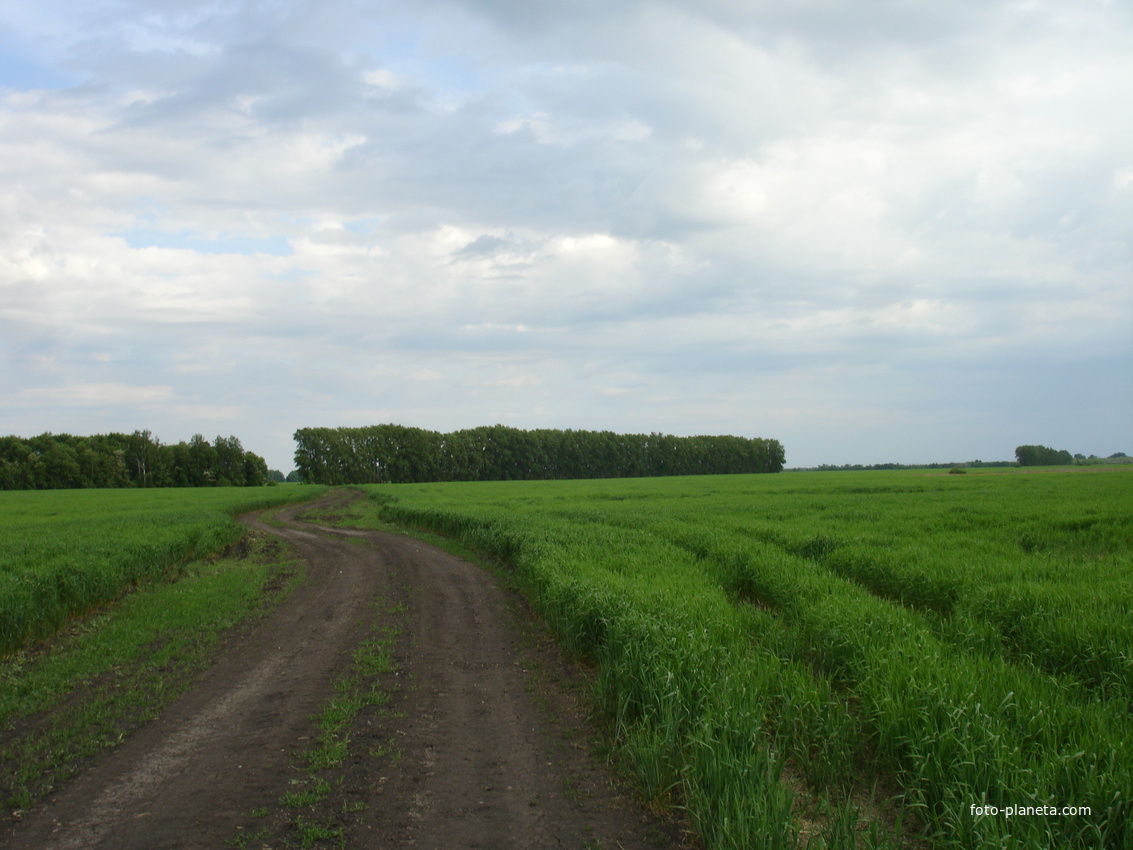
[{"x": 860, "y": 230}]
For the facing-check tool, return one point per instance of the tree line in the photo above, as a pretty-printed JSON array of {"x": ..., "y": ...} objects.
[
  {"x": 1042, "y": 456},
  {"x": 399, "y": 454},
  {"x": 61, "y": 461},
  {"x": 858, "y": 467}
]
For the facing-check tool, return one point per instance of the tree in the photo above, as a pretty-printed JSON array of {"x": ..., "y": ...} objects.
[
  {"x": 60, "y": 467},
  {"x": 255, "y": 470},
  {"x": 398, "y": 454},
  {"x": 141, "y": 452},
  {"x": 120, "y": 460},
  {"x": 202, "y": 461},
  {"x": 1042, "y": 456}
]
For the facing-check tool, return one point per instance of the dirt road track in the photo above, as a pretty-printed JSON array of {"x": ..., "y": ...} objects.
[{"x": 484, "y": 755}]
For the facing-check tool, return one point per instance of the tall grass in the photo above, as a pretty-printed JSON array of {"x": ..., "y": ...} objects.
[{"x": 965, "y": 637}]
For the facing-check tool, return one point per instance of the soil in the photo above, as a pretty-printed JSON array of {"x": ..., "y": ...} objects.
[{"x": 483, "y": 741}]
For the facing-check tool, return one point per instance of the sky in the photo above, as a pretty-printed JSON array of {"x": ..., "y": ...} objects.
[{"x": 876, "y": 231}]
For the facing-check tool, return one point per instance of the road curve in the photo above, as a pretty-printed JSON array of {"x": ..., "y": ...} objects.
[{"x": 486, "y": 756}]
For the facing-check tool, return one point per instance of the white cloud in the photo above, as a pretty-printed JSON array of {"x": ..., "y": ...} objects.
[
  {"x": 212, "y": 414},
  {"x": 95, "y": 395},
  {"x": 682, "y": 216}
]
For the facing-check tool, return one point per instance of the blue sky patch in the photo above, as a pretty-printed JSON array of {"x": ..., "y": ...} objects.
[
  {"x": 22, "y": 73},
  {"x": 192, "y": 240},
  {"x": 362, "y": 226}
]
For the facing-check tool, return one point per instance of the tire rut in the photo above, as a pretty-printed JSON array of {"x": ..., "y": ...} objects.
[{"x": 481, "y": 760}]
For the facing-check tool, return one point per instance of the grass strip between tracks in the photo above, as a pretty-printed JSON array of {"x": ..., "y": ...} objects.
[{"x": 319, "y": 808}]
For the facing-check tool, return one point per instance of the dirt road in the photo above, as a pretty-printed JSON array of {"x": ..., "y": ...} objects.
[{"x": 480, "y": 743}]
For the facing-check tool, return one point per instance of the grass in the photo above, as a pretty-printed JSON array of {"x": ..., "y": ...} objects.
[
  {"x": 960, "y": 640},
  {"x": 65, "y": 552},
  {"x": 771, "y": 649},
  {"x": 319, "y": 790},
  {"x": 317, "y": 812},
  {"x": 312, "y": 834},
  {"x": 357, "y": 690},
  {"x": 111, "y": 672}
]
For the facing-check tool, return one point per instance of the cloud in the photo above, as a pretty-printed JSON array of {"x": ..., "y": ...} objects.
[
  {"x": 672, "y": 215},
  {"x": 95, "y": 395},
  {"x": 189, "y": 240}
]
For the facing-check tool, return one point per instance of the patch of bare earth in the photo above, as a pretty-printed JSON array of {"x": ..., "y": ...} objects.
[{"x": 481, "y": 742}]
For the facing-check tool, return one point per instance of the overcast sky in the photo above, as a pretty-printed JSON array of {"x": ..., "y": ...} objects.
[{"x": 885, "y": 230}]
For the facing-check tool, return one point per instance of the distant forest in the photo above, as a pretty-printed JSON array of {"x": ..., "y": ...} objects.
[
  {"x": 1024, "y": 456},
  {"x": 858, "y": 467},
  {"x": 399, "y": 454},
  {"x": 62, "y": 461},
  {"x": 1042, "y": 456}
]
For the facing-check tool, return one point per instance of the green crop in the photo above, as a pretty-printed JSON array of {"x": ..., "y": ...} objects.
[
  {"x": 965, "y": 640},
  {"x": 63, "y": 552}
]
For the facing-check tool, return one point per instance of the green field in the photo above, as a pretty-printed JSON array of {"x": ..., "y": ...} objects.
[
  {"x": 63, "y": 552},
  {"x": 841, "y": 659},
  {"x": 800, "y": 660},
  {"x": 129, "y": 590}
]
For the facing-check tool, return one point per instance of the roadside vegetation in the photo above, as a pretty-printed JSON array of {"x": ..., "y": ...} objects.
[
  {"x": 845, "y": 660},
  {"x": 109, "y": 673},
  {"x": 64, "y": 552}
]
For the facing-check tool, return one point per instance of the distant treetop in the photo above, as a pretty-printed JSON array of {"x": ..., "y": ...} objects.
[
  {"x": 1042, "y": 456},
  {"x": 62, "y": 461},
  {"x": 399, "y": 454}
]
